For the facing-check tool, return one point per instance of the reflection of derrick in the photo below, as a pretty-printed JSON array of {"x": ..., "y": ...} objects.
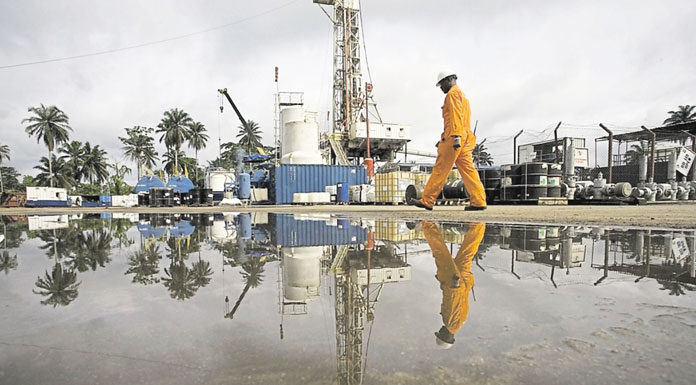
[{"x": 359, "y": 276}]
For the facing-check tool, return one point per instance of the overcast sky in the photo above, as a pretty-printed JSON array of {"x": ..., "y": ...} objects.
[{"x": 523, "y": 65}]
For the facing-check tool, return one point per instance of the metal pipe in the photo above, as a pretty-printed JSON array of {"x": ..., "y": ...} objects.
[
  {"x": 555, "y": 143},
  {"x": 652, "y": 153},
  {"x": 609, "y": 150},
  {"x": 514, "y": 147}
]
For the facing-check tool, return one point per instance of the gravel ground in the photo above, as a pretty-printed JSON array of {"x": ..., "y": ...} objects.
[{"x": 664, "y": 215}]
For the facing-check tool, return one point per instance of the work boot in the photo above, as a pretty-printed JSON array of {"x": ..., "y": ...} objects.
[
  {"x": 474, "y": 208},
  {"x": 419, "y": 203},
  {"x": 455, "y": 282}
]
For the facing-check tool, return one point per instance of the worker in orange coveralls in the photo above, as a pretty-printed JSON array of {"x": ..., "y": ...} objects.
[
  {"x": 455, "y": 147},
  {"x": 455, "y": 277}
]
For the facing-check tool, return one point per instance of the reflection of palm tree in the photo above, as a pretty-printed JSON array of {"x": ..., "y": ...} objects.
[
  {"x": 60, "y": 286},
  {"x": 7, "y": 262},
  {"x": 253, "y": 276},
  {"x": 97, "y": 245},
  {"x": 144, "y": 265},
  {"x": 676, "y": 288},
  {"x": 179, "y": 281},
  {"x": 201, "y": 272}
]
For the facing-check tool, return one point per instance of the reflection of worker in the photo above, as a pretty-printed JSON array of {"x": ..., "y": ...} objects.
[
  {"x": 455, "y": 277},
  {"x": 455, "y": 147}
]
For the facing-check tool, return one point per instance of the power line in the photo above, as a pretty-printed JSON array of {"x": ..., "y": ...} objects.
[{"x": 154, "y": 42}]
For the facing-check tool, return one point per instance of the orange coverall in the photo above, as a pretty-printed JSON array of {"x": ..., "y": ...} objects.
[
  {"x": 456, "y": 114},
  {"x": 455, "y": 301}
]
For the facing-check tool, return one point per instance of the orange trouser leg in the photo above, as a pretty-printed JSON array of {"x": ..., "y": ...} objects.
[
  {"x": 446, "y": 155},
  {"x": 446, "y": 267},
  {"x": 469, "y": 247},
  {"x": 470, "y": 177}
]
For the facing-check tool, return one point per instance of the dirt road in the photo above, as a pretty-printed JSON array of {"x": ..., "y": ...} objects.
[{"x": 673, "y": 215}]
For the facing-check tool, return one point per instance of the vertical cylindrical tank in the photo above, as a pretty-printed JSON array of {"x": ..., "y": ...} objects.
[
  {"x": 244, "y": 225},
  {"x": 299, "y": 137},
  {"x": 342, "y": 192},
  {"x": 301, "y": 272},
  {"x": 244, "y": 186}
]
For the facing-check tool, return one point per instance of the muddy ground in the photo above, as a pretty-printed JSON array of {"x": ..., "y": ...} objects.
[{"x": 670, "y": 215}]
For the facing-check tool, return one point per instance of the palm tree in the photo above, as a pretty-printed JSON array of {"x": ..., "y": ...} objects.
[
  {"x": 49, "y": 124},
  {"x": 253, "y": 277},
  {"x": 197, "y": 139},
  {"x": 53, "y": 173},
  {"x": 180, "y": 281},
  {"x": 4, "y": 154},
  {"x": 201, "y": 272},
  {"x": 481, "y": 156},
  {"x": 7, "y": 262},
  {"x": 60, "y": 286},
  {"x": 73, "y": 156},
  {"x": 139, "y": 147},
  {"x": 170, "y": 160},
  {"x": 143, "y": 265},
  {"x": 635, "y": 152},
  {"x": 95, "y": 164},
  {"x": 249, "y": 139},
  {"x": 175, "y": 129},
  {"x": 683, "y": 115}
]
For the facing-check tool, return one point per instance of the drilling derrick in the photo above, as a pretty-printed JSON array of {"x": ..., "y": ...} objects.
[{"x": 347, "y": 85}]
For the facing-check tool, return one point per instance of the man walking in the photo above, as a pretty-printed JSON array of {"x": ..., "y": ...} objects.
[{"x": 455, "y": 147}]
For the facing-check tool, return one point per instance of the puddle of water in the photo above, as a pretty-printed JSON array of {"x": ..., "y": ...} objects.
[{"x": 266, "y": 298}]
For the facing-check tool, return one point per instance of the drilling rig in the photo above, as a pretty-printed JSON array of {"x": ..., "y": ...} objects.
[{"x": 356, "y": 124}]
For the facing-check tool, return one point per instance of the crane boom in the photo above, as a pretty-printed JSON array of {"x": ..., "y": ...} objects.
[{"x": 250, "y": 133}]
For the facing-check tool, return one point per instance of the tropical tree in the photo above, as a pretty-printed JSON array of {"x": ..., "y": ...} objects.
[
  {"x": 179, "y": 280},
  {"x": 60, "y": 286},
  {"x": 252, "y": 274},
  {"x": 174, "y": 128},
  {"x": 139, "y": 147},
  {"x": 73, "y": 156},
  {"x": 4, "y": 154},
  {"x": 481, "y": 155},
  {"x": 53, "y": 172},
  {"x": 143, "y": 265},
  {"x": 201, "y": 272},
  {"x": 683, "y": 114},
  {"x": 197, "y": 139},
  {"x": 248, "y": 139},
  {"x": 7, "y": 262},
  {"x": 95, "y": 164},
  {"x": 170, "y": 161},
  {"x": 635, "y": 152},
  {"x": 51, "y": 125}
]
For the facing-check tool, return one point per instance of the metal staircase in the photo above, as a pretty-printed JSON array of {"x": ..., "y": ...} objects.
[{"x": 338, "y": 150}]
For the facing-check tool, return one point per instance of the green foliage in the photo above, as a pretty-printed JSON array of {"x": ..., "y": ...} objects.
[
  {"x": 175, "y": 128},
  {"x": 250, "y": 139},
  {"x": 49, "y": 124},
  {"x": 139, "y": 147},
  {"x": 28, "y": 180},
  {"x": 55, "y": 173},
  {"x": 88, "y": 189},
  {"x": 481, "y": 156},
  {"x": 10, "y": 179},
  {"x": 8, "y": 262},
  {"x": 683, "y": 114}
]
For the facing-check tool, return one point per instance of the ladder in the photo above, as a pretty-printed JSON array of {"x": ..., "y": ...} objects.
[{"x": 337, "y": 149}]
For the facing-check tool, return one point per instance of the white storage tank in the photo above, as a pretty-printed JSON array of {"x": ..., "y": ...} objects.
[
  {"x": 223, "y": 231},
  {"x": 302, "y": 272},
  {"x": 299, "y": 137},
  {"x": 216, "y": 179}
]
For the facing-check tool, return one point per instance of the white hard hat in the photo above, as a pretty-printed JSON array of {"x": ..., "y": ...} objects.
[
  {"x": 442, "y": 75},
  {"x": 442, "y": 344}
]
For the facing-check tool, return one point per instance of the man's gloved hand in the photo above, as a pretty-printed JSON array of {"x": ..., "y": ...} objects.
[
  {"x": 437, "y": 144},
  {"x": 457, "y": 142}
]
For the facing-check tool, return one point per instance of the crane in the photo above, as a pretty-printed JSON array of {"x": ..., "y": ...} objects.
[{"x": 249, "y": 131}]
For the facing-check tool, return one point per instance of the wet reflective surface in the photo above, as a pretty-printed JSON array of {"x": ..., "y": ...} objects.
[{"x": 264, "y": 298}]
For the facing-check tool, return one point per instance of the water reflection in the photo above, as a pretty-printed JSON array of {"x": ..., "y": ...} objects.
[{"x": 323, "y": 258}]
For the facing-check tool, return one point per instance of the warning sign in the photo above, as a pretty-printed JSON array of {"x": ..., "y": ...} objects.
[
  {"x": 680, "y": 249},
  {"x": 684, "y": 160}
]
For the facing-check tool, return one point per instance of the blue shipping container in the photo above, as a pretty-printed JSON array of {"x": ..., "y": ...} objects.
[
  {"x": 290, "y": 232},
  {"x": 289, "y": 179}
]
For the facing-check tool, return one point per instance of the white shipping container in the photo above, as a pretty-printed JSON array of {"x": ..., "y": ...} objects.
[
  {"x": 124, "y": 200},
  {"x": 331, "y": 189},
  {"x": 46, "y": 194}
]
